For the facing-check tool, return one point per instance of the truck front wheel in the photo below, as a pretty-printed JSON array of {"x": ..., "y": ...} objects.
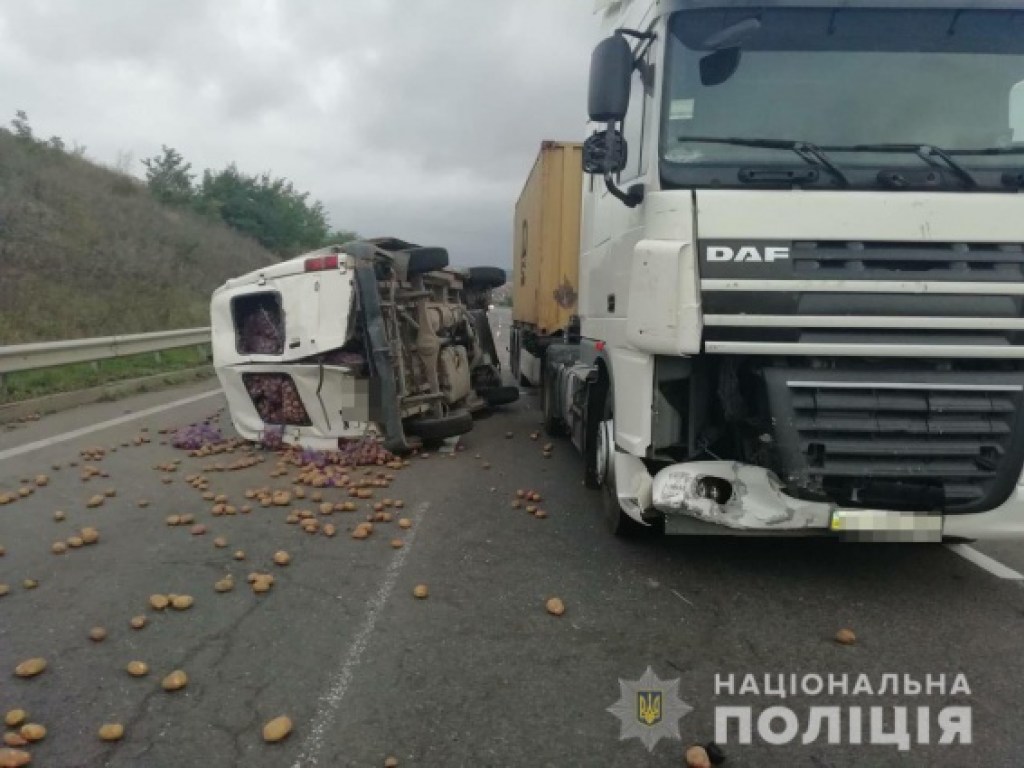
[{"x": 618, "y": 522}]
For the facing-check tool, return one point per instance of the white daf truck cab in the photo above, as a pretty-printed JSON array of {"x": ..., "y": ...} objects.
[{"x": 802, "y": 270}]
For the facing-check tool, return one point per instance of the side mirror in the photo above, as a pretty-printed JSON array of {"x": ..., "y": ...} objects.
[
  {"x": 717, "y": 67},
  {"x": 611, "y": 71},
  {"x": 605, "y": 152}
]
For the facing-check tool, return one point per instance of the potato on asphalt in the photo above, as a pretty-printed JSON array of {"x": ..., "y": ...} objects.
[
  {"x": 697, "y": 757},
  {"x": 846, "y": 637},
  {"x": 555, "y": 606},
  {"x": 111, "y": 732},
  {"x": 15, "y": 717},
  {"x": 14, "y": 758},
  {"x": 277, "y": 729},
  {"x": 32, "y": 732},
  {"x": 182, "y": 602},
  {"x": 30, "y": 667},
  {"x": 158, "y": 602},
  {"x": 175, "y": 681}
]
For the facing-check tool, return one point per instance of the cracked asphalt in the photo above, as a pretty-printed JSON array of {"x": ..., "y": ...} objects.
[{"x": 478, "y": 674}]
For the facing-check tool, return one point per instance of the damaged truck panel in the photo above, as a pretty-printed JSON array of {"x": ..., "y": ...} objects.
[{"x": 734, "y": 495}]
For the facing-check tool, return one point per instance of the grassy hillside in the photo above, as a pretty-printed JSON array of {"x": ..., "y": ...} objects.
[{"x": 85, "y": 251}]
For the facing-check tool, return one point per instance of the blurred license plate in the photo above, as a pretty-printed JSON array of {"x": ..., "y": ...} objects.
[{"x": 874, "y": 525}]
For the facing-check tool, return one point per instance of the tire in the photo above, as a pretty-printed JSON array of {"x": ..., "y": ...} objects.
[
  {"x": 590, "y": 435},
  {"x": 486, "y": 277},
  {"x": 434, "y": 428},
  {"x": 618, "y": 522},
  {"x": 553, "y": 424},
  {"x": 422, "y": 260},
  {"x": 494, "y": 396}
]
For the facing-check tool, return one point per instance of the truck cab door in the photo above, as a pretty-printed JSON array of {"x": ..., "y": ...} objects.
[{"x": 612, "y": 229}]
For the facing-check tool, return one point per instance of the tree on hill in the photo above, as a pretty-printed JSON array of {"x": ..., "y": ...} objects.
[
  {"x": 169, "y": 177},
  {"x": 269, "y": 210},
  {"x": 21, "y": 126}
]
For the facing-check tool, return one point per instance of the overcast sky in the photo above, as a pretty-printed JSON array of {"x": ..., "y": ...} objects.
[{"x": 414, "y": 118}]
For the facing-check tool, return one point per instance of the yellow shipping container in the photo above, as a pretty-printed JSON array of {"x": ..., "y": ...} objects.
[{"x": 546, "y": 240}]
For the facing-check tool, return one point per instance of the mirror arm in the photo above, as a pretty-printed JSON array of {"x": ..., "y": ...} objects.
[
  {"x": 635, "y": 33},
  {"x": 631, "y": 198},
  {"x": 635, "y": 195}
]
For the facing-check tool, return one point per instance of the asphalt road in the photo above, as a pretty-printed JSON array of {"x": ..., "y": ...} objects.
[{"x": 478, "y": 674}]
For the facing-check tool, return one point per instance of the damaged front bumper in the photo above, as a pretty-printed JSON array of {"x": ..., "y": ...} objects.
[
  {"x": 725, "y": 497},
  {"x": 734, "y": 495}
]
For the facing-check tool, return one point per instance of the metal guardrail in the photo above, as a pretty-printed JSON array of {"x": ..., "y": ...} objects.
[{"x": 27, "y": 357}]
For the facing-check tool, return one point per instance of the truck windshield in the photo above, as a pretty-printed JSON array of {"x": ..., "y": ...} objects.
[{"x": 842, "y": 78}]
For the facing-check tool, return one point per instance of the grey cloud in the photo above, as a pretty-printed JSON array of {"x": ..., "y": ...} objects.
[{"x": 418, "y": 119}]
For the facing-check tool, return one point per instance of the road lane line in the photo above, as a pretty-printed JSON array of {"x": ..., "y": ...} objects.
[
  {"x": 46, "y": 442},
  {"x": 683, "y": 599},
  {"x": 330, "y": 701},
  {"x": 986, "y": 563}
]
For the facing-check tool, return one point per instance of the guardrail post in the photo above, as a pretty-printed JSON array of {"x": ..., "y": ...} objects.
[{"x": 3, "y": 386}]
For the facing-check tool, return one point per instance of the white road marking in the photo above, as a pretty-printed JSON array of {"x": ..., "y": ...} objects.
[
  {"x": 683, "y": 599},
  {"x": 46, "y": 442},
  {"x": 330, "y": 701},
  {"x": 986, "y": 563}
]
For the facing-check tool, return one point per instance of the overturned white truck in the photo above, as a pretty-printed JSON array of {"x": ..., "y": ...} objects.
[{"x": 376, "y": 335}]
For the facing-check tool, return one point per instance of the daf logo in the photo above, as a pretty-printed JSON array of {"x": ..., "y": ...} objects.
[{"x": 748, "y": 253}]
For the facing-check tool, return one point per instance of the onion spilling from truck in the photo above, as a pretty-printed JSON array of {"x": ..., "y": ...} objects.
[{"x": 370, "y": 337}]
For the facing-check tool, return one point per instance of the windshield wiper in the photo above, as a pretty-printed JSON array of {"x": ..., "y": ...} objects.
[
  {"x": 925, "y": 151},
  {"x": 811, "y": 154},
  {"x": 988, "y": 151}
]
